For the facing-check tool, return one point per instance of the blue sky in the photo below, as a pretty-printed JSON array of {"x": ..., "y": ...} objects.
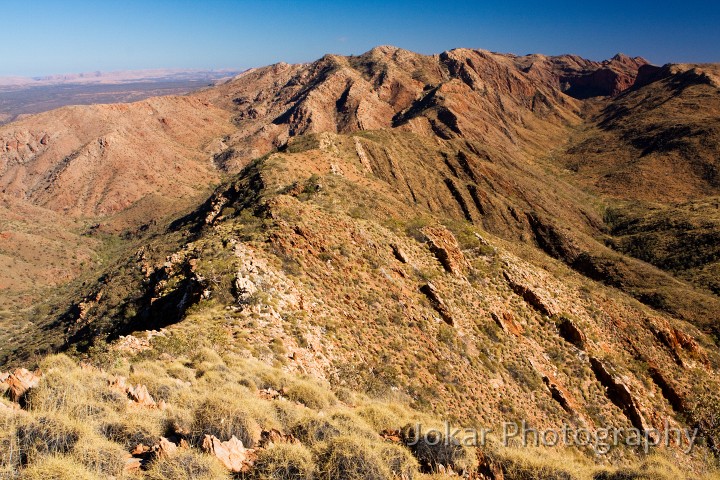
[{"x": 45, "y": 37}]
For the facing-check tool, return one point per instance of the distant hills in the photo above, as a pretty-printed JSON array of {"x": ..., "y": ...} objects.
[
  {"x": 28, "y": 95},
  {"x": 117, "y": 77}
]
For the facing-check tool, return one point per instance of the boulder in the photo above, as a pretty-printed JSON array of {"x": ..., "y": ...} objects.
[
  {"x": 399, "y": 253},
  {"x": 231, "y": 453},
  {"x": 165, "y": 448},
  {"x": 138, "y": 394},
  {"x": 19, "y": 382},
  {"x": 133, "y": 464}
]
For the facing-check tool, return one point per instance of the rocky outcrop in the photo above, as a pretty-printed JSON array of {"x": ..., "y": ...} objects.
[
  {"x": 437, "y": 302},
  {"x": 506, "y": 322},
  {"x": 569, "y": 331},
  {"x": 399, "y": 253},
  {"x": 165, "y": 448},
  {"x": 679, "y": 344},
  {"x": 668, "y": 389},
  {"x": 607, "y": 78},
  {"x": 21, "y": 146},
  {"x": 619, "y": 393},
  {"x": 531, "y": 296},
  {"x": 444, "y": 246}
]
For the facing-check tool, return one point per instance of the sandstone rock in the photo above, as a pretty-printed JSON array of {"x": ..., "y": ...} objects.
[
  {"x": 268, "y": 394},
  {"x": 19, "y": 382},
  {"x": 558, "y": 392},
  {"x": 247, "y": 279},
  {"x": 231, "y": 453},
  {"x": 140, "y": 395},
  {"x": 132, "y": 464},
  {"x": 362, "y": 155},
  {"x": 619, "y": 393},
  {"x": 132, "y": 344},
  {"x": 392, "y": 436},
  {"x": 165, "y": 448},
  {"x": 531, "y": 297},
  {"x": 668, "y": 389},
  {"x": 571, "y": 332},
  {"x": 482, "y": 240},
  {"x": 489, "y": 468},
  {"x": 137, "y": 394},
  {"x": 677, "y": 342},
  {"x": 273, "y": 437},
  {"x": 399, "y": 253},
  {"x": 140, "y": 449},
  {"x": 437, "y": 302},
  {"x": 507, "y": 323},
  {"x": 445, "y": 247}
]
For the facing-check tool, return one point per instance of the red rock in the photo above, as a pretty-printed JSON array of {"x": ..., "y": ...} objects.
[
  {"x": 231, "y": 453},
  {"x": 507, "y": 323},
  {"x": 273, "y": 436},
  {"x": 437, "y": 302},
  {"x": 165, "y": 448},
  {"x": 139, "y": 394},
  {"x": 268, "y": 394},
  {"x": 393, "y": 436},
  {"x": 132, "y": 464},
  {"x": 140, "y": 449},
  {"x": 19, "y": 382},
  {"x": 445, "y": 247}
]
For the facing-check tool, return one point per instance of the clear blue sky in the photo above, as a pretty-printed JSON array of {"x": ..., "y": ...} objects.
[{"x": 64, "y": 36}]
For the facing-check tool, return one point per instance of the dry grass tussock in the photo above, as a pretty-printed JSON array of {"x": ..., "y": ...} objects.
[{"x": 74, "y": 425}]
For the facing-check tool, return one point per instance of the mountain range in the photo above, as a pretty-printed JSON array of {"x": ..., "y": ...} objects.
[{"x": 478, "y": 237}]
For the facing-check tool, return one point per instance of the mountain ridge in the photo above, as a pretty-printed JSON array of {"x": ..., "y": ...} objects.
[{"x": 453, "y": 230}]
